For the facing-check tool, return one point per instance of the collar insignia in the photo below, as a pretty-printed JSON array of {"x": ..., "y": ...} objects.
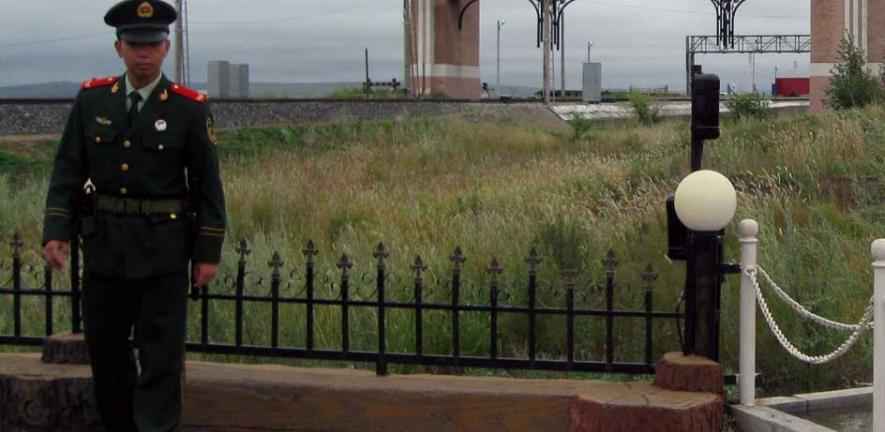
[
  {"x": 164, "y": 96},
  {"x": 210, "y": 130}
]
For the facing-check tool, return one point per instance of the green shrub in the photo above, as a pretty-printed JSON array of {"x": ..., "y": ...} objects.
[
  {"x": 851, "y": 85},
  {"x": 581, "y": 127},
  {"x": 438, "y": 95},
  {"x": 749, "y": 105},
  {"x": 647, "y": 113}
]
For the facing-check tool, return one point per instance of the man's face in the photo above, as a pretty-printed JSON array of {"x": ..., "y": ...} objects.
[{"x": 143, "y": 60}]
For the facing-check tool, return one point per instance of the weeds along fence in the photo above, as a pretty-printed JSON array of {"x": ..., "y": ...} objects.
[
  {"x": 379, "y": 317},
  {"x": 754, "y": 277}
]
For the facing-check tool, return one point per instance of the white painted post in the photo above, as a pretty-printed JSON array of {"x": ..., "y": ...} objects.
[
  {"x": 749, "y": 230},
  {"x": 878, "y": 250}
]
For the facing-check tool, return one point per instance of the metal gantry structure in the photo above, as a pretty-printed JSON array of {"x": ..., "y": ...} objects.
[
  {"x": 551, "y": 28},
  {"x": 753, "y": 44}
]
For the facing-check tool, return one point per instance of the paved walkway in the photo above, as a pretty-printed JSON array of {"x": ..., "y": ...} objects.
[
  {"x": 622, "y": 110},
  {"x": 236, "y": 397}
]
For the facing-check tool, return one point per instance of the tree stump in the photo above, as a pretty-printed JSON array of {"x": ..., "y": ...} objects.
[
  {"x": 65, "y": 348},
  {"x": 676, "y": 371},
  {"x": 44, "y": 397}
]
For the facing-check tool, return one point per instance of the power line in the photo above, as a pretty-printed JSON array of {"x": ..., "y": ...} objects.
[
  {"x": 690, "y": 12},
  {"x": 45, "y": 41},
  {"x": 347, "y": 9},
  {"x": 286, "y": 18},
  {"x": 206, "y": 23}
]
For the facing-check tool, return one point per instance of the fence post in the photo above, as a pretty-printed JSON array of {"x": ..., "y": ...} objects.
[
  {"x": 749, "y": 230},
  {"x": 381, "y": 254},
  {"x": 243, "y": 250},
  {"x": 878, "y": 250},
  {"x": 275, "y": 263},
  {"x": 17, "y": 244}
]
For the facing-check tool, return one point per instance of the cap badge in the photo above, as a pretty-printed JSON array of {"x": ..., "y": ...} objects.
[
  {"x": 160, "y": 125},
  {"x": 145, "y": 10}
]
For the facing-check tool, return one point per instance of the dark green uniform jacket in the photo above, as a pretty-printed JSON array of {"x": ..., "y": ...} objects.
[{"x": 168, "y": 150}]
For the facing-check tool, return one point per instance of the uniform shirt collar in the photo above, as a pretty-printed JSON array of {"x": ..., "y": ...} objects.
[{"x": 144, "y": 91}]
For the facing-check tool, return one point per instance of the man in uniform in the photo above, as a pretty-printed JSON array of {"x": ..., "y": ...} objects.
[{"x": 147, "y": 148}]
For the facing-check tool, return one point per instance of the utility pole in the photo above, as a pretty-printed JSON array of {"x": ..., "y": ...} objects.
[
  {"x": 368, "y": 83},
  {"x": 552, "y": 71},
  {"x": 179, "y": 44},
  {"x": 562, "y": 52},
  {"x": 753, "y": 65},
  {"x": 498, "y": 72},
  {"x": 407, "y": 46},
  {"x": 545, "y": 4}
]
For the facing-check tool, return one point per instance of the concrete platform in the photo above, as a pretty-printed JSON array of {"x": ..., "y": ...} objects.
[
  {"x": 623, "y": 110},
  {"x": 278, "y": 398},
  {"x": 780, "y": 414}
]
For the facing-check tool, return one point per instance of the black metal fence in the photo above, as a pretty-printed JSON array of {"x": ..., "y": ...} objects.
[{"x": 311, "y": 293}]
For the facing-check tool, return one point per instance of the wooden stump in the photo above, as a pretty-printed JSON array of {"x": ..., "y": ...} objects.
[
  {"x": 43, "y": 397},
  {"x": 62, "y": 348},
  {"x": 676, "y": 371}
]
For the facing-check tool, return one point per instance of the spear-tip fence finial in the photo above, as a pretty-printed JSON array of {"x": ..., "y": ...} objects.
[
  {"x": 610, "y": 261},
  {"x": 276, "y": 263},
  {"x": 381, "y": 253},
  {"x": 243, "y": 250},
  {"x": 533, "y": 259}
]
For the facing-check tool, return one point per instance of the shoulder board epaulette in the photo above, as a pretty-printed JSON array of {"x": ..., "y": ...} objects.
[
  {"x": 189, "y": 93},
  {"x": 99, "y": 82}
]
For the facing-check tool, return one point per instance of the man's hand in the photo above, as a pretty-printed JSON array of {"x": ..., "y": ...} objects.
[
  {"x": 56, "y": 253},
  {"x": 204, "y": 273}
]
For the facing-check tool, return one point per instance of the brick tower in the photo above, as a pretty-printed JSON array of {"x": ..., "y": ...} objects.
[
  {"x": 444, "y": 58},
  {"x": 830, "y": 21}
]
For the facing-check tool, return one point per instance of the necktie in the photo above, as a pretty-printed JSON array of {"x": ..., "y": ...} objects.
[{"x": 135, "y": 98}]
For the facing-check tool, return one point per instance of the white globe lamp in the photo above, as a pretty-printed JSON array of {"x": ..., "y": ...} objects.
[{"x": 705, "y": 201}]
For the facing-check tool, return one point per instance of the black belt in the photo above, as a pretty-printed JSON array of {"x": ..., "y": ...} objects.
[{"x": 136, "y": 206}]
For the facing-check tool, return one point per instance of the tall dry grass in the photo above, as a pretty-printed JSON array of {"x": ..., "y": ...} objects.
[{"x": 425, "y": 186}]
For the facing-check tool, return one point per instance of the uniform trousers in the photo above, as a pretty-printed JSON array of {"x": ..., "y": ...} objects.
[{"x": 147, "y": 396}]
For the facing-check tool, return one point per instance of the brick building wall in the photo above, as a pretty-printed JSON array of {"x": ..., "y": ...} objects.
[
  {"x": 445, "y": 58},
  {"x": 830, "y": 21}
]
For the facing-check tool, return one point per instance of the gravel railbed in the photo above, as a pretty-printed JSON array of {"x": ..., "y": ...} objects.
[{"x": 28, "y": 118}]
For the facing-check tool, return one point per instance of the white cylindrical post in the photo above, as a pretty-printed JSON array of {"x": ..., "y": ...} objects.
[
  {"x": 878, "y": 250},
  {"x": 749, "y": 230}
]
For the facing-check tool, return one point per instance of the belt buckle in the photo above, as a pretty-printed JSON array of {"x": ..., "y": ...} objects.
[{"x": 120, "y": 206}]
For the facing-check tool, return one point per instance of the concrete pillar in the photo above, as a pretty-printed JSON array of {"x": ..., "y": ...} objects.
[
  {"x": 830, "y": 21},
  {"x": 446, "y": 59}
]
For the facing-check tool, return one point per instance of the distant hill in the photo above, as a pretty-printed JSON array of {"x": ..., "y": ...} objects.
[
  {"x": 258, "y": 90},
  {"x": 52, "y": 90},
  {"x": 68, "y": 90}
]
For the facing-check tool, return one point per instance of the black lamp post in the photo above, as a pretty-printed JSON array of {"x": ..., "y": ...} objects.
[{"x": 703, "y": 205}]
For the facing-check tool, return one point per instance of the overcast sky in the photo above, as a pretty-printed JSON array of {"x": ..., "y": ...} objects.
[{"x": 639, "y": 42}]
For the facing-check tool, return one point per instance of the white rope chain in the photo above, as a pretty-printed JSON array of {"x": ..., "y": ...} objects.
[
  {"x": 864, "y": 324},
  {"x": 801, "y": 310}
]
